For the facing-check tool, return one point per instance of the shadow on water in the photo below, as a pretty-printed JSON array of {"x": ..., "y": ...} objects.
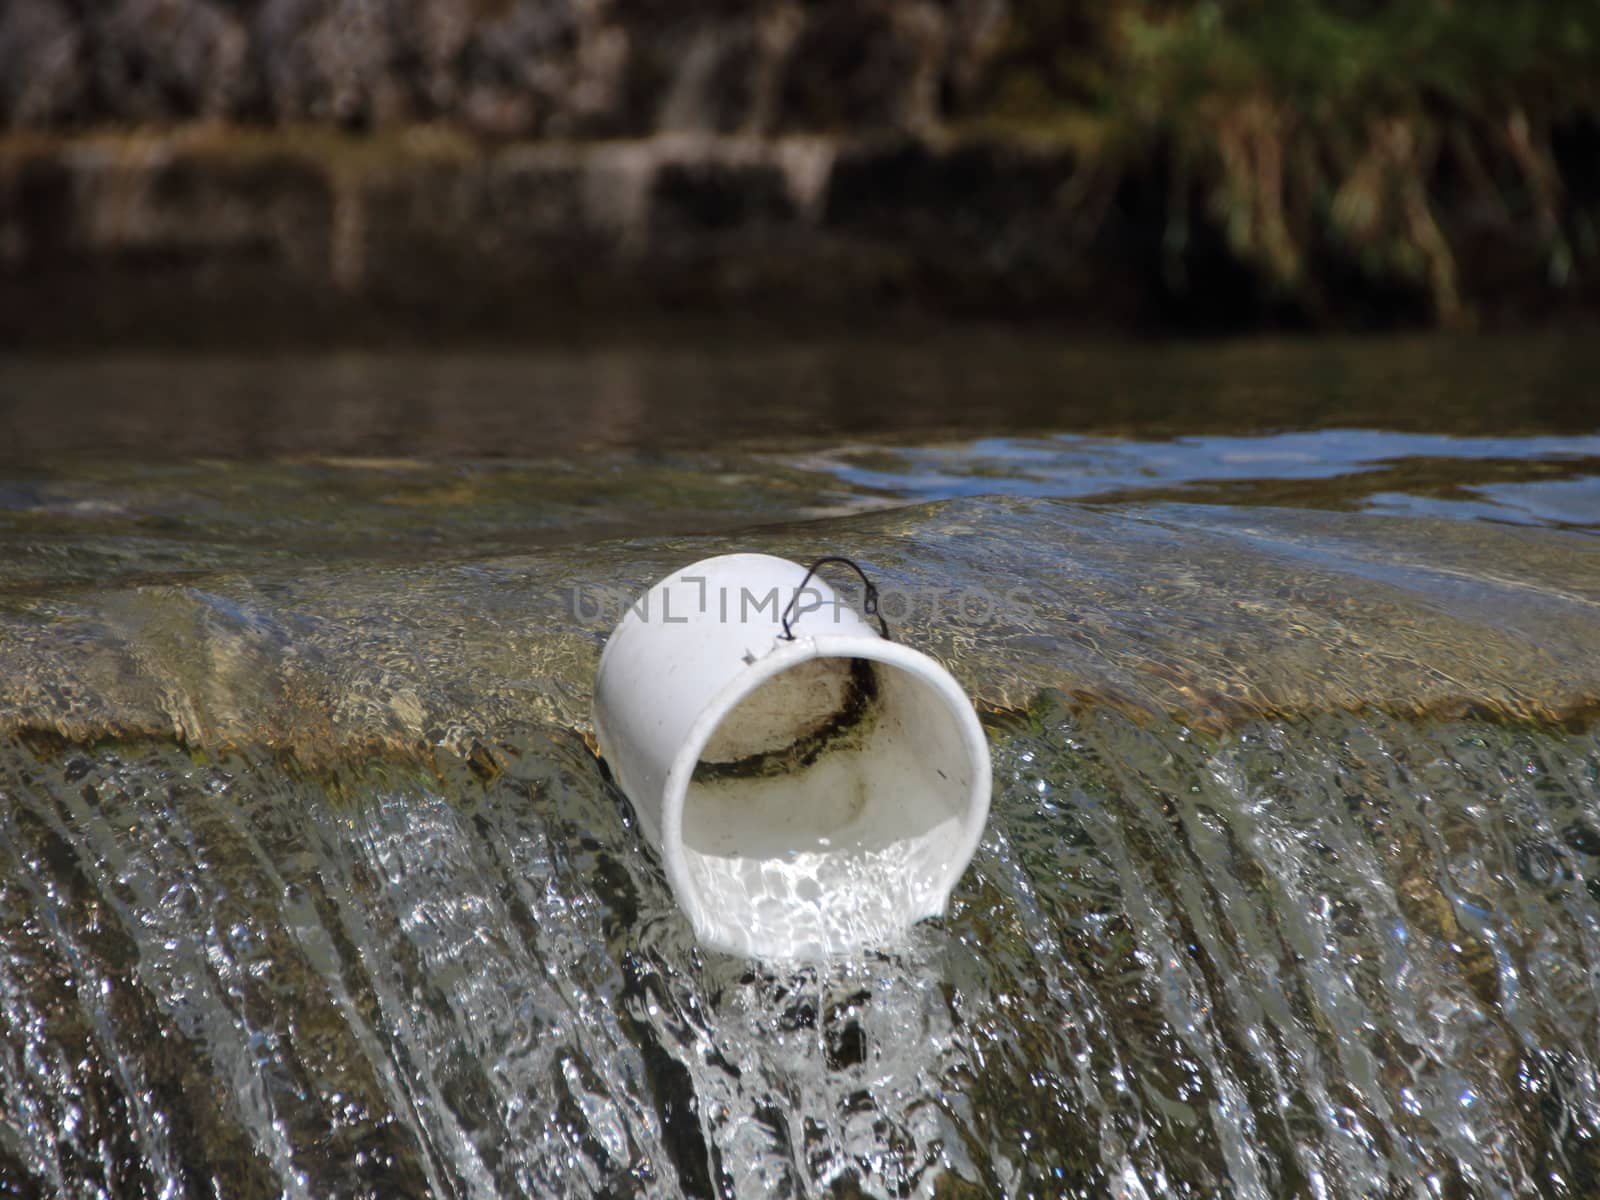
[{"x": 310, "y": 885}]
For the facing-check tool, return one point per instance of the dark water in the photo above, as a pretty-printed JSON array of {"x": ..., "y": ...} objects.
[{"x": 1289, "y": 658}]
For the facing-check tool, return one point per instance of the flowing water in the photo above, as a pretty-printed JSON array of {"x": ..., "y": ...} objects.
[{"x": 1289, "y": 658}]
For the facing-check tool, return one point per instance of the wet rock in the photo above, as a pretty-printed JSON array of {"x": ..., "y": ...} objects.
[
  {"x": 983, "y": 224},
  {"x": 160, "y": 60},
  {"x": 36, "y": 215},
  {"x": 968, "y": 191},
  {"x": 167, "y": 207},
  {"x": 500, "y": 68},
  {"x": 330, "y": 61},
  {"x": 41, "y": 76},
  {"x": 711, "y": 196},
  {"x": 864, "y": 68}
]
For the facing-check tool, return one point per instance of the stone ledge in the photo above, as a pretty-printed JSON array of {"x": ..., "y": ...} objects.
[
  {"x": 123, "y": 236},
  {"x": 217, "y": 236}
]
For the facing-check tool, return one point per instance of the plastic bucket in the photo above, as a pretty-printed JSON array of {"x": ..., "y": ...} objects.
[{"x": 809, "y": 794}]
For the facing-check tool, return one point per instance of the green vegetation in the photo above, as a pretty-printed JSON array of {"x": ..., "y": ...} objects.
[{"x": 1384, "y": 133}]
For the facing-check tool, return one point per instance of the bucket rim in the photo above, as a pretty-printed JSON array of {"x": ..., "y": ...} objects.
[{"x": 724, "y": 562}]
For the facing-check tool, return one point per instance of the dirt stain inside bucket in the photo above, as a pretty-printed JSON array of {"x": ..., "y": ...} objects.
[{"x": 821, "y": 706}]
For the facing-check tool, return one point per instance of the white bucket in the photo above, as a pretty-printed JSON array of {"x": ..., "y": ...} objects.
[{"x": 808, "y": 796}]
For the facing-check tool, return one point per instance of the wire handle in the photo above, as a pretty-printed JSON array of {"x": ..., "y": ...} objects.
[{"x": 869, "y": 600}]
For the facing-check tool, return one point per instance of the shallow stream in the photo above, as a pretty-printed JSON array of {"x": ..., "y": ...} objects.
[{"x": 1289, "y": 658}]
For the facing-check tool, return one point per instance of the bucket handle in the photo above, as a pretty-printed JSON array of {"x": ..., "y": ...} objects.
[{"x": 869, "y": 600}]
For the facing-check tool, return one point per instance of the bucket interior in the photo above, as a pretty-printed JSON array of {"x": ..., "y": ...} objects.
[{"x": 827, "y": 808}]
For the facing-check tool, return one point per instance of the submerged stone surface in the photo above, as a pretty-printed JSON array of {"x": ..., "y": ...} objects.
[{"x": 1208, "y": 616}]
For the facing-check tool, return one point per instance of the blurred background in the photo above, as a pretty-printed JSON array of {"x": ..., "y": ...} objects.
[
  {"x": 1213, "y": 385},
  {"x": 239, "y": 171}
]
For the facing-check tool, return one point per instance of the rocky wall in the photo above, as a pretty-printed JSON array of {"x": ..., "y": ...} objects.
[
  {"x": 499, "y": 68},
  {"x": 201, "y": 236}
]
